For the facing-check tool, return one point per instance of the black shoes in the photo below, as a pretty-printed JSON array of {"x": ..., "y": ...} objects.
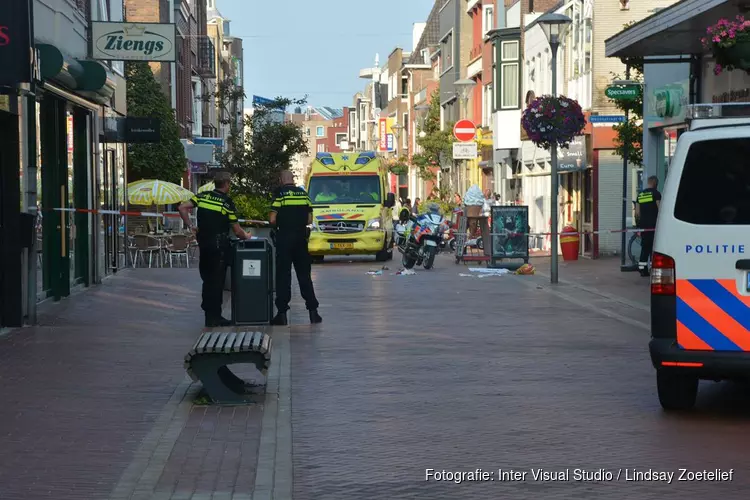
[
  {"x": 279, "y": 319},
  {"x": 220, "y": 321},
  {"x": 315, "y": 317}
]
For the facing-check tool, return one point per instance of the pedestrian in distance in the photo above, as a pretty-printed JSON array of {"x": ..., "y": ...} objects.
[
  {"x": 647, "y": 211},
  {"x": 216, "y": 215},
  {"x": 415, "y": 207},
  {"x": 291, "y": 213}
]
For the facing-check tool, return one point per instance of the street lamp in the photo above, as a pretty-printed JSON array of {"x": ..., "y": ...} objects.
[
  {"x": 464, "y": 88},
  {"x": 396, "y": 128},
  {"x": 421, "y": 110},
  {"x": 555, "y": 26}
]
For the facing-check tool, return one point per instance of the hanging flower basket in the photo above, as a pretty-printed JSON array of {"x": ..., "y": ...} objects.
[
  {"x": 398, "y": 167},
  {"x": 552, "y": 120},
  {"x": 729, "y": 43}
]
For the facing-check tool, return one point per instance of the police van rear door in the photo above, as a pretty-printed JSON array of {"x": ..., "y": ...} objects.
[{"x": 704, "y": 226}]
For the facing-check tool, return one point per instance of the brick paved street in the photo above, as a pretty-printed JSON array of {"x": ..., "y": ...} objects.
[{"x": 407, "y": 373}]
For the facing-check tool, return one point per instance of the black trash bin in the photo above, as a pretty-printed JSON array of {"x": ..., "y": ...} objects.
[{"x": 252, "y": 282}]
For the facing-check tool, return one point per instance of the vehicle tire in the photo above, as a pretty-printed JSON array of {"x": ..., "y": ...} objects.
[
  {"x": 634, "y": 249},
  {"x": 677, "y": 392},
  {"x": 317, "y": 259},
  {"x": 429, "y": 259},
  {"x": 408, "y": 262},
  {"x": 480, "y": 243}
]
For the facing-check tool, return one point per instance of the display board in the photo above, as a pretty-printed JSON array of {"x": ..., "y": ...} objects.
[{"x": 510, "y": 227}]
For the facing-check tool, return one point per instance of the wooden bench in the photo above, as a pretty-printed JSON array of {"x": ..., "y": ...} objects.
[{"x": 208, "y": 359}]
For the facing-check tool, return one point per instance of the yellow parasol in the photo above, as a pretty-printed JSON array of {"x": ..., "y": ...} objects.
[
  {"x": 207, "y": 187},
  {"x": 154, "y": 192}
]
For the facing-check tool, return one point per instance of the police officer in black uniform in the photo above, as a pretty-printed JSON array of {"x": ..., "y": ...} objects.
[
  {"x": 291, "y": 212},
  {"x": 216, "y": 216},
  {"x": 647, "y": 210}
]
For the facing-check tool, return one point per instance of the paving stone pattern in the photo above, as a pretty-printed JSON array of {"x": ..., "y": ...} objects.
[
  {"x": 446, "y": 372},
  {"x": 96, "y": 402}
]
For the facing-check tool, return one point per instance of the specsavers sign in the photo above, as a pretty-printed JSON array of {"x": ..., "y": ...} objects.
[
  {"x": 133, "y": 42},
  {"x": 666, "y": 104}
]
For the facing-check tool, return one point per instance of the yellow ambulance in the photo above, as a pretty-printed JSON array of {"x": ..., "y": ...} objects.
[{"x": 352, "y": 206}]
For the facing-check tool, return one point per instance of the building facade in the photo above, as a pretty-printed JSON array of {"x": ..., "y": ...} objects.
[{"x": 63, "y": 128}]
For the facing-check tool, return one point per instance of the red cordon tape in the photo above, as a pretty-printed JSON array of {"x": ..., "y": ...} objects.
[{"x": 262, "y": 222}]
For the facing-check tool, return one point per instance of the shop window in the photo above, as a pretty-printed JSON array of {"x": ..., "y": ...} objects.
[{"x": 719, "y": 197}]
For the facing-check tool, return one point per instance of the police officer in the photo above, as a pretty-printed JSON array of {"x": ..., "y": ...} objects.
[
  {"x": 291, "y": 212},
  {"x": 216, "y": 216},
  {"x": 647, "y": 210}
]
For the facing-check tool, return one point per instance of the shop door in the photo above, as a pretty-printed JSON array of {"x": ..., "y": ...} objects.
[
  {"x": 111, "y": 197},
  {"x": 79, "y": 182},
  {"x": 11, "y": 308},
  {"x": 57, "y": 224}
]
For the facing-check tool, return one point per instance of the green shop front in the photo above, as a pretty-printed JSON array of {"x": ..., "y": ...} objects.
[{"x": 74, "y": 172}]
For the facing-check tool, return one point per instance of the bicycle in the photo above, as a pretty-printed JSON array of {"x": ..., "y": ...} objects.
[{"x": 634, "y": 248}]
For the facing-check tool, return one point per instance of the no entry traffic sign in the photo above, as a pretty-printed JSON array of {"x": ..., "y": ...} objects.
[{"x": 465, "y": 130}]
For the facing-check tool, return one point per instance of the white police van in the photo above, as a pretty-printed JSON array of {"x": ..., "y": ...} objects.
[{"x": 700, "y": 278}]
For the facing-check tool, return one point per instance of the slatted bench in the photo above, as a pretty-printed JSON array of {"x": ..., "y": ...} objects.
[{"x": 208, "y": 359}]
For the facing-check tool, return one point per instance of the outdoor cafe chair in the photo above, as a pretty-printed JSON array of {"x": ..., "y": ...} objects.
[
  {"x": 146, "y": 244},
  {"x": 178, "y": 247}
]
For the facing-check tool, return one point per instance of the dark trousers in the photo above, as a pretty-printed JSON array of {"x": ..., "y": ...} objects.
[
  {"x": 647, "y": 246},
  {"x": 291, "y": 250},
  {"x": 213, "y": 271}
]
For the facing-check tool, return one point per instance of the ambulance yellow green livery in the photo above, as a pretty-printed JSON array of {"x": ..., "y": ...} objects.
[{"x": 352, "y": 207}]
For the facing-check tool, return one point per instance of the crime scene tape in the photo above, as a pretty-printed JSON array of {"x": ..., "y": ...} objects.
[{"x": 135, "y": 213}]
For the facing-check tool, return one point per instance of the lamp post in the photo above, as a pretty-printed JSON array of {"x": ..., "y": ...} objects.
[
  {"x": 421, "y": 110},
  {"x": 555, "y": 26},
  {"x": 464, "y": 88},
  {"x": 396, "y": 128}
]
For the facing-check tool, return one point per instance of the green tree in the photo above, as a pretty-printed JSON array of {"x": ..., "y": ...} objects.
[
  {"x": 630, "y": 132},
  {"x": 260, "y": 146},
  {"x": 437, "y": 144},
  {"x": 164, "y": 160}
]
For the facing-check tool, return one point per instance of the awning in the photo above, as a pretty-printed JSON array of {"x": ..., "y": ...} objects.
[
  {"x": 673, "y": 31},
  {"x": 90, "y": 79}
]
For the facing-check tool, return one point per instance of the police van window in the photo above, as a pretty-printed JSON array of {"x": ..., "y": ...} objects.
[
  {"x": 362, "y": 189},
  {"x": 715, "y": 184}
]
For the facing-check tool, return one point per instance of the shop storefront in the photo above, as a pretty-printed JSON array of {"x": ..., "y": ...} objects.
[
  {"x": 673, "y": 82},
  {"x": 667, "y": 93},
  {"x": 572, "y": 163},
  {"x": 17, "y": 73}
]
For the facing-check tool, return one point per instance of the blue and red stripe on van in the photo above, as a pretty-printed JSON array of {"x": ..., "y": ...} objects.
[{"x": 712, "y": 316}]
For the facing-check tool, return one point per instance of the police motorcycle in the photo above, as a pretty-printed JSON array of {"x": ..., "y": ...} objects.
[{"x": 419, "y": 237}]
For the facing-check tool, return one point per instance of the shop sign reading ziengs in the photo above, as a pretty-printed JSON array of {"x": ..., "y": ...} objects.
[{"x": 133, "y": 42}]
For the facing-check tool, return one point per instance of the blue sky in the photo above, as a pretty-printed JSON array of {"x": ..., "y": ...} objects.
[{"x": 299, "y": 47}]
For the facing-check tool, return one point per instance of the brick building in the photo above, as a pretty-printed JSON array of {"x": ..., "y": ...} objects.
[{"x": 186, "y": 80}]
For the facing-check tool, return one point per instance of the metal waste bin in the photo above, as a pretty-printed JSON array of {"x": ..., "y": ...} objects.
[{"x": 252, "y": 282}]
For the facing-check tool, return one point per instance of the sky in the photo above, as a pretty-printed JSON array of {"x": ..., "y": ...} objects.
[{"x": 317, "y": 47}]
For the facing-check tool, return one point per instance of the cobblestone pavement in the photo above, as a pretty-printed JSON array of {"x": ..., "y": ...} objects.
[
  {"x": 407, "y": 373},
  {"x": 96, "y": 403},
  {"x": 447, "y": 372}
]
